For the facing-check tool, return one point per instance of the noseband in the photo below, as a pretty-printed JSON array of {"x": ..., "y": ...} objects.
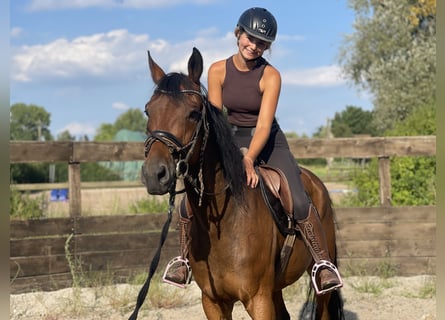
[{"x": 181, "y": 152}]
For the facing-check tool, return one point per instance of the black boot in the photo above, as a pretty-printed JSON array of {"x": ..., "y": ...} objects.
[
  {"x": 178, "y": 271},
  {"x": 315, "y": 239}
]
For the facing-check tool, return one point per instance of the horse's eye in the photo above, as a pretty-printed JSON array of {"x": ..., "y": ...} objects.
[
  {"x": 195, "y": 115},
  {"x": 147, "y": 114}
]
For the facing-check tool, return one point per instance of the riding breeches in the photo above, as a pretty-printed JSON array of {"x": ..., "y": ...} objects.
[{"x": 276, "y": 153}]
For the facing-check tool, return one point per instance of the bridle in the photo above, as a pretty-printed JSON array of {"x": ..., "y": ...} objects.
[{"x": 180, "y": 152}]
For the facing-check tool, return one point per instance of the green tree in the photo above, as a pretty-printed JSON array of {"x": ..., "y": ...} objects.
[
  {"x": 65, "y": 136},
  {"x": 412, "y": 178},
  {"x": 132, "y": 119},
  {"x": 352, "y": 121},
  {"x": 29, "y": 122},
  {"x": 392, "y": 54}
]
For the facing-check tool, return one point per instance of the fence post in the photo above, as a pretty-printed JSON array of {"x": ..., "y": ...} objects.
[
  {"x": 385, "y": 181},
  {"x": 74, "y": 189}
]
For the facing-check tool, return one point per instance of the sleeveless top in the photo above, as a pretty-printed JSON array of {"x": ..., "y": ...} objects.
[{"x": 241, "y": 93}]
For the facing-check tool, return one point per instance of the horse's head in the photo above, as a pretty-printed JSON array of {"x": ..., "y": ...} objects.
[{"x": 175, "y": 117}]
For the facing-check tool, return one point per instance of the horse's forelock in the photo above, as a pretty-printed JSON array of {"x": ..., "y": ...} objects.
[{"x": 174, "y": 82}]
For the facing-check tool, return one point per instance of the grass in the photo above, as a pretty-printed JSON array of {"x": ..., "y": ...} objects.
[
  {"x": 373, "y": 285},
  {"x": 104, "y": 286}
]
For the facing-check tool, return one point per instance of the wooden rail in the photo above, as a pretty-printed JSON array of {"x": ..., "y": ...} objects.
[
  {"x": 75, "y": 153},
  {"x": 400, "y": 240}
]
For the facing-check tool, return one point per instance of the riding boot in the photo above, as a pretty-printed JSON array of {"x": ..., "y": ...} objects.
[
  {"x": 178, "y": 271},
  {"x": 315, "y": 239}
]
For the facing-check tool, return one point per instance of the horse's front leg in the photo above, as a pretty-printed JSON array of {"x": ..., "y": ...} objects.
[
  {"x": 261, "y": 307},
  {"x": 280, "y": 307},
  {"x": 216, "y": 310}
]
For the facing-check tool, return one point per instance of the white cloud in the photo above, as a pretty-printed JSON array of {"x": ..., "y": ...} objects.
[
  {"x": 325, "y": 76},
  {"x": 102, "y": 55},
  {"x": 120, "y": 106},
  {"x": 79, "y": 129},
  {"x": 106, "y": 57},
  {"x": 42, "y": 5},
  {"x": 119, "y": 55}
]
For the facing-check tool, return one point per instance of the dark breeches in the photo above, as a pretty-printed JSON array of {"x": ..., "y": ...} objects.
[{"x": 276, "y": 153}]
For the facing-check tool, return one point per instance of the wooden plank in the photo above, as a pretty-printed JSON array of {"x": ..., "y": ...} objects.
[
  {"x": 38, "y": 151},
  {"x": 385, "y": 248},
  {"x": 121, "y": 223},
  {"x": 386, "y": 231},
  {"x": 125, "y": 259},
  {"x": 108, "y": 151},
  {"x": 83, "y": 185},
  {"x": 86, "y": 151},
  {"x": 124, "y": 242},
  {"x": 363, "y": 147},
  {"x": 385, "y": 214},
  {"x": 40, "y": 227},
  {"x": 75, "y": 196},
  {"x": 37, "y": 247},
  {"x": 401, "y": 266},
  {"x": 37, "y": 265}
]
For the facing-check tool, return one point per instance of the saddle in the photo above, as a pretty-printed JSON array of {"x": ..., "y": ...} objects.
[{"x": 276, "y": 192}]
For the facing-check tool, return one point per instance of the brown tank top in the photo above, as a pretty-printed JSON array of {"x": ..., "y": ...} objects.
[{"x": 241, "y": 93}]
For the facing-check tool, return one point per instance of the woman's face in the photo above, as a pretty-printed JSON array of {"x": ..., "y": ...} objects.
[{"x": 251, "y": 47}]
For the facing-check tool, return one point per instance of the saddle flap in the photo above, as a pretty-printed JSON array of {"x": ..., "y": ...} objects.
[{"x": 277, "y": 183}]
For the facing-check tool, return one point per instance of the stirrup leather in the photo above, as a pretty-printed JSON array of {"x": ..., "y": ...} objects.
[
  {"x": 328, "y": 265},
  {"x": 176, "y": 263}
]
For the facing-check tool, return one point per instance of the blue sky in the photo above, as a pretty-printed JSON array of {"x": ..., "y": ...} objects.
[{"x": 85, "y": 61}]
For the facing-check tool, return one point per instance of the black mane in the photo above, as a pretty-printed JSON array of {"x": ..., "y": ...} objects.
[{"x": 229, "y": 153}]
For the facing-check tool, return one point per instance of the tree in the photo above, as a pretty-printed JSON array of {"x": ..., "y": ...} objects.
[
  {"x": 132, "y": 119},
  {"x": 392, "y": 53},
  {"x": 29, "y": 122},
  {"x": 65, "y": 136},
  {"x": 413, "y": 179},
  {"x": 352, "y": 121}
]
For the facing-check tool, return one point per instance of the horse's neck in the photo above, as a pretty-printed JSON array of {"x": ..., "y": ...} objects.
[{"x": 208, "y": 193}]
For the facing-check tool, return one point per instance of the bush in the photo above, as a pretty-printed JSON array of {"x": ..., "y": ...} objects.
[{"x": 22, "y": 206}]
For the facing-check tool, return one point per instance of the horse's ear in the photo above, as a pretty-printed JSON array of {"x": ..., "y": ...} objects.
[
  {"x": 156, "y": 72},
  {"x": 195, "y": 66}
]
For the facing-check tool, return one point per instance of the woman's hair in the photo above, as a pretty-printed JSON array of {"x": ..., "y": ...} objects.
[{"x": 240, "y": 30}]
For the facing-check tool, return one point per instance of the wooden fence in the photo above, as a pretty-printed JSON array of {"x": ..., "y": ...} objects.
[{"x": 48, "y": 254}]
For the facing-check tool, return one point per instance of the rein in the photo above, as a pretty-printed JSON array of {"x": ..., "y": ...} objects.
[{"x": 154, "y": 263}]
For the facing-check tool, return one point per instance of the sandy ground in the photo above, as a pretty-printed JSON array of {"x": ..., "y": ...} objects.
[{"x": 365, "y": 298}]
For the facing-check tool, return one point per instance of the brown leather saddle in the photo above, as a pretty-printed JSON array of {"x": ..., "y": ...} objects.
[{"x": 276, "y": 192}]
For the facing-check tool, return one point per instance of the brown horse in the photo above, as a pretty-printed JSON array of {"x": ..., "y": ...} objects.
[{"x": 235, "y": 243}]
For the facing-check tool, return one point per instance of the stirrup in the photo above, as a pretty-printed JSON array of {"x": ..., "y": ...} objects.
[
  {"x": 328, "y": 265},
  {"x": 176, "y": 263}
]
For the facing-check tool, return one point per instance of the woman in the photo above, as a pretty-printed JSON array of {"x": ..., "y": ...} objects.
[{"x": 248, "y": 88}]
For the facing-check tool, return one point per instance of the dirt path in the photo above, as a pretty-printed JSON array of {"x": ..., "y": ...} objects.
[{"x": 365, "y": 298}]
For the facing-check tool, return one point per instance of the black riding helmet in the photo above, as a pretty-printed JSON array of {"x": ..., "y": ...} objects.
[{"x": 259, "y": 23}]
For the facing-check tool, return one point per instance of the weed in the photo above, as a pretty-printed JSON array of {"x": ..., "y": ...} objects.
[
  {"x": 149, "y": 205},
  {"x": 22, "y": 206},
  {"x": 372, "y": 285}
]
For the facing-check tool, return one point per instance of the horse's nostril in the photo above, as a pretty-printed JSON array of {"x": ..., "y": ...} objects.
[{"x": 163, "y": 174}]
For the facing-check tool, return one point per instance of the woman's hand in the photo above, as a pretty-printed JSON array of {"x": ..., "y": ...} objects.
[{"x": 252, "y": 177}]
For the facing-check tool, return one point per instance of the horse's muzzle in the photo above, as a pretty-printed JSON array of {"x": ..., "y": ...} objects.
[{"x": 158, "y": 177}]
